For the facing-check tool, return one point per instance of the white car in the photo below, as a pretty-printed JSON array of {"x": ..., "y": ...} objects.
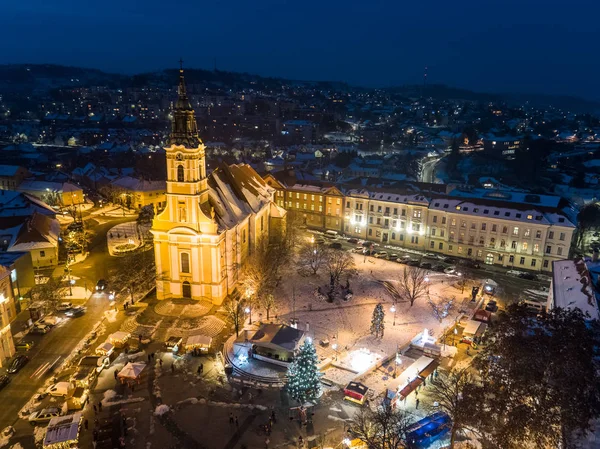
[
  {"x": 60, "y": 389},
  {"x": 43, "y": 416},
  {"x": 450, "y": 270},
  {"x": 50, "y": 320},
  {"x": 64, "y": 306},
  {"x": 381, "y": 254}
]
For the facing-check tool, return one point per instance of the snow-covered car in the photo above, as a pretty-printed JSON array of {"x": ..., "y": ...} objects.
[
  {"x": 516, "y": 273},
  {"x": 76, "y": 311},
  {"x": 40, "y": 329},
  {"x": 50, "y": 320},
  {"x": 381, "y": 255},
  {"x": 60, "y": 389},
  {"x": 64, "y": 306},
  {"x": 43, "y": 416},
  {"x": 450, "y": 270}
]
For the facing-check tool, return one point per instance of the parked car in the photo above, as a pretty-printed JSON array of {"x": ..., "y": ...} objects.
[
  {"x": 381, "y": 254},
  {"x": 335, "y": 245},
  {"x": 39, "y": 329},
  {"x": 431, "y": 255},
  {"x": 352, "y": 240},
  {"x": 492, "y": 306},
  {"x": 438, "y": 267},
  {"x": 64, "y": 306},
  {"x": 4, "y": 381},
  {"x": 450, "y": 270},
  {"x": 101, "y": 285},
  {"x": 50, "y": 320},
  {"x": 18, "y": 362},
  {"x": 393, "y": 257},
  {"x": 60, "y": 389},
  {"x": 413, "y": 263},
  {"x": 470, "y": 263},
  {"x": 43, "y": 416},
  {"x": 528, "y": 276},
  {"x": 426, "y": 265},
  {"x": 76, "y": 311},
  {"x": 514, "y": 273},
  {"x": 23, "y": 345},
  {"x": 449, "y": 260},
  {"x": 320, "y": 241}
]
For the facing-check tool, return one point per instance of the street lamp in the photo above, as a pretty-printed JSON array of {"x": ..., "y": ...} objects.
[
  {"x": 248, "y": 310},
  {"x": 393, "y": 310},
  {"x": 71, "y": 284},
  {"x": 455, "y": 334},
  {"x": 427, "y": 283},
  {"x": 347, "y": 442},
  {"x": 398, "y": 361},
  {"x": 335, "y": 346}
]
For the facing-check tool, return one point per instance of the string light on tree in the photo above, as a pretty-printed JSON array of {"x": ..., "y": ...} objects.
[{"x": 304, "y": 378}]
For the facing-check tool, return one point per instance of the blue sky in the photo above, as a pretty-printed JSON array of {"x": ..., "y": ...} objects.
[{"x": 486, "y": 45}]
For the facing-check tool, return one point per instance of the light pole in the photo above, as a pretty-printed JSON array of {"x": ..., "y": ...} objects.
[
  {"x": 455, "y": 334},
  {"x": 398, "y": 361},
  {"x": 427, "y": 283},
  {"x": 248, "y": 310},
  {"x": 462, "y": 282},
  {"x": 393, "y": 310}
]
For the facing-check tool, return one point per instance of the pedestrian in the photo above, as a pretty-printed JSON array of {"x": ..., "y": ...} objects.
[
  {"x": 202, "y": 367},
  {"x": 417, "y": 403},
  {"x": 267, "y": 441},
  {"x": 95, "y": 435},
  {"x": 99, "y": 406},
  {"x": 95, "y": 409},
  {"x": 300, "y": 441},
  {"x": 149, "y": 357},
  {"x": 116, "y": 374},
  {"x": 199, "y": 370},
  {"x": 173, "y": 368},
  {"x": 230, "y": 418},
  {"x": 237, "y": 423},
  {"x": 132, "y": 387},
  {"x": 140, "y": 337},
  {"x": 160, "y": 362},
  {"x": 416, "y": 393},
  {"x": 85, "y": 424},
  {"x": 273, "y": 417}
]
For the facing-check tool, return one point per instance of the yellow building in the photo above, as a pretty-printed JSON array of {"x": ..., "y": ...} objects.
[
  {"x": 137, "y": 193},
  {"x": 7, "y": 314},
  {"x": 211, "y": 223}
]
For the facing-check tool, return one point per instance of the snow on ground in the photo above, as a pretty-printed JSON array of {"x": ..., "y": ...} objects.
[{"x": 75, "y": 292}]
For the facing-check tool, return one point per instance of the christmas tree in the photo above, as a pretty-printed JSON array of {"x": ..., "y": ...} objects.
[
  {"x": 304, "y": 379},
  {"x": 377, "y": 324}
]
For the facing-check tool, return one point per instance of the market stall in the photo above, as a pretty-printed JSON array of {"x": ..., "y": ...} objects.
[
  {"x": 356, "y": 392},
  {"x": 198, "y": 344},
  {"x": 63, "y": 432},
  {"x": 131, "y": 372},
  {"x": 105, "y": 348},
  {"x": 119, "y": 339}
]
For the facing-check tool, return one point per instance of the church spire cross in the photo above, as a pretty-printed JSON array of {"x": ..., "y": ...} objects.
[{"x": 184, "y": 130}]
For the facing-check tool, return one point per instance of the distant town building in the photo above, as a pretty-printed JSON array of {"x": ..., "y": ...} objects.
[
  {"x": 57, "y": 194},
  {"x": 573, "y": 286},
  {"x": 505, "y": 146},
  {"x": 7, "y": 314},
  {"x": 11, "y": 176},
  {"x": 139, "y": 193}
]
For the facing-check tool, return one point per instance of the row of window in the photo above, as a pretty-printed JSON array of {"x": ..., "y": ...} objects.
[{"x": 338, "y": 201}]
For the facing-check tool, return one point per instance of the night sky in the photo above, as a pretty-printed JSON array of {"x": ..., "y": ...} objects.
[{"x": 485, "y": 45}]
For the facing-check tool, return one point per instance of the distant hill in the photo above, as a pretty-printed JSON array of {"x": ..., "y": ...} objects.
[
  {"x": 443, "y": 92},
  {"x": 42, "y": 77}
]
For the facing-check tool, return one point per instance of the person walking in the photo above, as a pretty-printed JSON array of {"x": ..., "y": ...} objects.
[
  {"x": 95, "y": 409},
  {"x": 273, "y": 417},
  {"x": 202, "y": 367},
  {"x": 116, "y": 373},
  {"x": 160, "y": 362},
  {"x": 85, "y": 424},
  {"x": 267, "y": 441},
  {"x": 173, "y": 368},
  {"x": 100, "y": 406},
  {"x": 237, "y": 423},
  {"x": 231, "y": 418},
  {"x": 417, "y": 403},
  {"x": 199, "y": 370}
]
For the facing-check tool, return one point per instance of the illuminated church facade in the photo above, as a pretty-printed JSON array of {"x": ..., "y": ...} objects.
[{"x": 211, "y": 223}]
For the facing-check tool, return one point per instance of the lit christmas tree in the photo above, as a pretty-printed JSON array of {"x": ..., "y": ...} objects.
[
  {"x": 304, "y": 378},
  {"x": 377, "y": 324}
]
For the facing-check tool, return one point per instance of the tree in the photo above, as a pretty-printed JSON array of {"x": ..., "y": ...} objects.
[
  {"x": 234, "y": 309},
  {"x": 293, "y": 229},
  {"x": 135, "y": 272},
  {"x": 541, "y": 379},
  {"x": 377, "y": 321},
  {"x": 457, "y": 394},
  {"x": 146, "y": 214},
  {"x": 412, "y": 284},
  {"x": 49, "y": 294},
  {"x": 312, "y": 257},
  {"x": 588, "y": 218},
  {"x": 382, "y": 428},
  {"x": 267, "y": 302},
  {"x": 304, "y": 378},
  {"x": 339, "y": 263}
]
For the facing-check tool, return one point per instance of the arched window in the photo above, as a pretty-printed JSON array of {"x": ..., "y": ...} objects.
[
  {"x": 180, "y": 176},
  {"x": 185, "y": 263}
]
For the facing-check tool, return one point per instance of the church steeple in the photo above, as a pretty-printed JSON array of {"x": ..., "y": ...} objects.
[{"x": 184, "y": 130}]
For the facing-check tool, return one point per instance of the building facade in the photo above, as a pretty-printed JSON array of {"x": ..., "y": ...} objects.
[
  {"x": 211, "y": 223},
  {"x": 138, "y": 193},
  {"x": 7, "y": 314}
]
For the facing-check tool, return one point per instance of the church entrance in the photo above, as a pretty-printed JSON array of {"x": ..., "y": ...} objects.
[{"x": 186, "y": 290}]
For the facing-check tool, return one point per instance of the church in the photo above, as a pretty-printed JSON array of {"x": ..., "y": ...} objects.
[{"x": 211, "y": 223}]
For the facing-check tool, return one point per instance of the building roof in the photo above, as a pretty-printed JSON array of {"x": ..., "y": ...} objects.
[
  {"x": 139, "y": 185},
  {"x": 572, "y": 287},
  {"x": 33, "y": 232},
  {"x": 18, "y": 204},
  {"x": 280, "y": 335},
  {"x": 9, "y": 170},
  {"x": 45, "y": 186}
]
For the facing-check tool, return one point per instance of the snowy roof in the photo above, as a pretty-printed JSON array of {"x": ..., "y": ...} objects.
[
  {"x": 235, "y": 192},
  {"x": 572, "y": 287},
  {"x": 202, "y": 340},
  {"x": 27, "y": 233},
  {"x": 62, "y": 429},
  {"x": 280, "y": 335},
  {"x": 44, "y": 186},
  {"x": 502, "y": 210},
  {"x": 139, "y": 185},
  {"x": 17, "y": 204},
  {"x": 392, "y": 197},
  {"x": 9, "y": 170},
  {"x": 132, "y": 370}
]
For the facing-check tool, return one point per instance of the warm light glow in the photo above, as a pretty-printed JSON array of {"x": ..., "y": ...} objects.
[
  {"x": 361, "y": 360},
  {"x": 393, "y": 309},
  {"x": 247, "y": 310}
]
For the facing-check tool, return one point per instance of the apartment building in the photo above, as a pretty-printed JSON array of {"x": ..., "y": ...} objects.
[
  {"x": 7, "y": 314},
  {"x": 321, "y": 205},
  {"x": 511, "y": 234},
  {"x": 386, "y": 217}
]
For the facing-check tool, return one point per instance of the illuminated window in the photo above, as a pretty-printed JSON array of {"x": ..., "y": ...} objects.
[
  {"x": 180, "y": 175},
  {"x": 185, "y": 263}
]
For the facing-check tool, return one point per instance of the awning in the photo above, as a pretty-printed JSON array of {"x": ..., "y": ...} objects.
[
  {"x": 131, "y": 370},
  {"x": 199, "y": 341},
  {"x": 430, "y": 369},
  {"x": 412, "y": 386}
]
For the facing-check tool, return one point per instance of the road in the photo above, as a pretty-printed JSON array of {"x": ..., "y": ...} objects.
[{"x": 428, "y": 171}]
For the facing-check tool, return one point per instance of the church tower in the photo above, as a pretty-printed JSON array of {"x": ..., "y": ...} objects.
[{"x": 188, "y": 246}]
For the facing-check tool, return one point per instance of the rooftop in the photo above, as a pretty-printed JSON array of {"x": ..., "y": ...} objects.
[{"x": 572, "y": 287}]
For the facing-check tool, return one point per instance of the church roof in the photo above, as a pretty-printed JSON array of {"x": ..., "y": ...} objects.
[
  {"x": 184, "y": 129},
  {"x": 236, "y": 191}
]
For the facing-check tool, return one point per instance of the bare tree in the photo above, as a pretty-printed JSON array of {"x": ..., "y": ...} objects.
[
  {"x": 340, "y": 263},
  {"x": 267, "y": 302},
  {"x": 383, "y": 428},
  {"x": 456, "y": 393},
  {"x": 135, "y": 272},
  {"x": 234, "y": 308},
  {"x": 293, "y": 226},
  {"x": 49, "y": 294},
  {"x": 313, "y": 257},
  {"x": 412, "y": 284},
  {"x": 260, "y": 274}
]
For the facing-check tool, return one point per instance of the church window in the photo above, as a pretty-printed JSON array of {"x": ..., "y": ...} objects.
[
  {"x": 243, "y": 236},
  {"x": 262, "y": 224},
  {"x": 180, "y": 175},
  {"x": 185, "y": 263},
  {"x": 182, "y": 213}
]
